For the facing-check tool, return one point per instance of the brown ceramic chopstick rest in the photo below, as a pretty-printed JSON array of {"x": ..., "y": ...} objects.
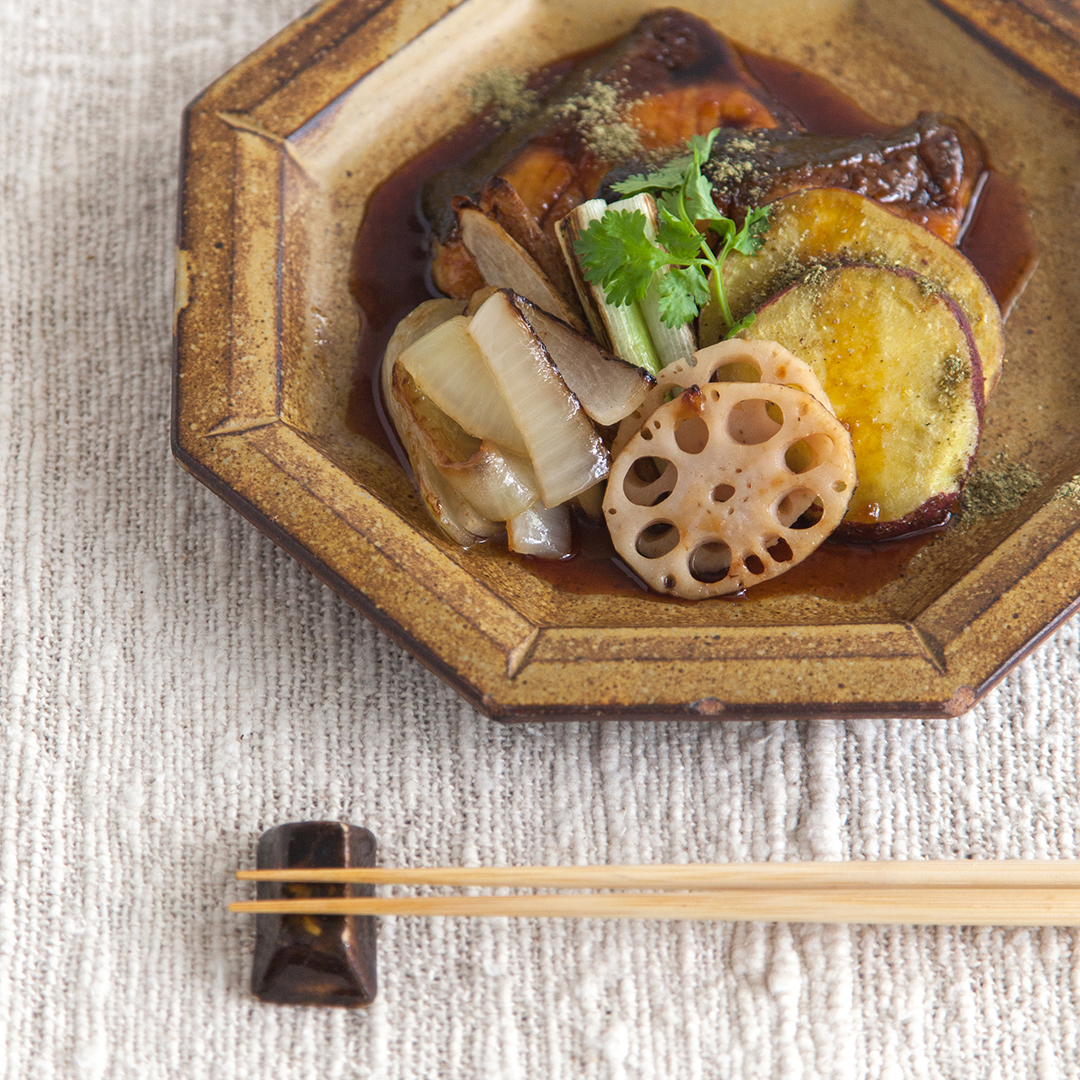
[{"x": 314, "y": 959}]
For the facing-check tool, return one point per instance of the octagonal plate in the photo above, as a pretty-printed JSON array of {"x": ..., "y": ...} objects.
[{"x": 280, "y": 157}]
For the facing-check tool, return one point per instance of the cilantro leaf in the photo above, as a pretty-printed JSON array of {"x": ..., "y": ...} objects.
[
  {"x": 617, "y": 255},
  {"x": 725, "y": 229},
  {"x": 682, "y": 291},
  {"x": 671, "y": 204},
  {"x": 751, "y": 236},
  {"x": 678, "y": 236},
  {"x": 698, "y": 200},
  {"x": 668, "y": 177},
  {"x": 742, "y": 324},
  {"x": 701, "y": 146}
]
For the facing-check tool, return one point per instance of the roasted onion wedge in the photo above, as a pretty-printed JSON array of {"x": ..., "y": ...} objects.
[
  {"x": 463, "y": 523},
  {"x": 591, "y": 502},
  {"x": 899, "y": 363},
  {"x": 498, "y": 484},
  {"x": 503, "y": 262},
  {"x": 420, "y": 321},
  {"x": 541, "y": 532},
  {"x": 608, "y": 387},
  {"x": 450, "y": 369},
  {"x": 566, "y": 452}
]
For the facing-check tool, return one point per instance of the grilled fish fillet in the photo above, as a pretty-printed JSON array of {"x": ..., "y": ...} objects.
[{"x": 671, "y": 77}]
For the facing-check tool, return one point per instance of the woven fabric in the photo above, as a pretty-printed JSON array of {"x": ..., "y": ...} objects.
[{"x": 171, "y": 684}]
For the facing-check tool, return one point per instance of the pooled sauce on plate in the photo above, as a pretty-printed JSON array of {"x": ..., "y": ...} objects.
[{"x": 390, "y": 277}]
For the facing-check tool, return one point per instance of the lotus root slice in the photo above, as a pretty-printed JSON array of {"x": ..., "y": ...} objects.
[
  {"x": 733, "y": 361},
  {"x": 728, "y": 485}
]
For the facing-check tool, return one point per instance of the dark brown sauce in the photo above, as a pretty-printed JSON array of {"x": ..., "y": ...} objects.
[
  {"x": 1000, "y": 239},
  {"x": 390, "y": 270},
  {"x": 390, "y": 277},
  {"x": 836, "y": 571},
  {"x": 816, "y": 103}
]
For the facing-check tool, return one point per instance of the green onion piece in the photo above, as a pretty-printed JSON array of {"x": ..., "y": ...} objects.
[
  {"x": 624, "y": 326},
  {"x": 670, "y": 342}
]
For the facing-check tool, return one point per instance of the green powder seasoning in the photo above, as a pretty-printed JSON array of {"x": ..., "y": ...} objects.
[{"x": 998, "y": 487}]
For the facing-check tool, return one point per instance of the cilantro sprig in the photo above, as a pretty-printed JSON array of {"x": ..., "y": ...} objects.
[{"x": 617, "y": 253}]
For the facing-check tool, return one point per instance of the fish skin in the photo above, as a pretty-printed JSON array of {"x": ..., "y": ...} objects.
[{"x": 927, "y": 170}]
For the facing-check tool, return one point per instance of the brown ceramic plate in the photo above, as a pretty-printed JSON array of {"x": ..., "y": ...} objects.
[{"x": 280, "y": 156}]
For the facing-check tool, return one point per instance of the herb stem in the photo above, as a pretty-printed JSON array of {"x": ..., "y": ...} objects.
[{"x": 716, "y": 261}]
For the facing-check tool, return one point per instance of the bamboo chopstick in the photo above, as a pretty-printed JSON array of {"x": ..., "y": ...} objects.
[
  {"x": 979, "y": 906},
  {"x": 906, "y": 874}
]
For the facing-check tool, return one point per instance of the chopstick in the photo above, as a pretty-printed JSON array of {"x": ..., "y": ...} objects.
[
  {"x": 910, "y": 906},
  {"x": 940, "y": 892},
  {"x": 908, "y": 874}
]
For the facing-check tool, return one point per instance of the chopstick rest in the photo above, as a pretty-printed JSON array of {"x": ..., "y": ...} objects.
[{"x": 304, "y": 959}]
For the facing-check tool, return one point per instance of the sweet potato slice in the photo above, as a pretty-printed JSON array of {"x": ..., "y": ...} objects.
[
  {"x": 899, "y": 363},
  {"x": 827, "y": 226}
]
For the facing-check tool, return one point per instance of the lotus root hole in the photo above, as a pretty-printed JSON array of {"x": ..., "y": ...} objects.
[
  {"x": 710, "y": 562},
  {"x": 657, "y": 540},
  {"x": 811, "y": 516},
  {"x": 650, "y": 481},
  {"x": 692, "y": 435},
  {"x": 754, "y": 421},
  {"x": 669, "y": 581},
  {"x": 839, "y": 487},
  {"x": 754, "y": 564},
  {"x": 793, "y": 505},
  {"x": 780, "y": 550},
  {"x": 745, "y": 369},
  {"x": 722, "y": 492},
  {"x": 808, "y": 453},
  {"x": 646, "y": 434},
  {"x": 800, "y": 510}
]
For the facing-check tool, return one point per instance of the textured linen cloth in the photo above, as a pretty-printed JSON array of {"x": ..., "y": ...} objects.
[{"x": 171, "y": 684}]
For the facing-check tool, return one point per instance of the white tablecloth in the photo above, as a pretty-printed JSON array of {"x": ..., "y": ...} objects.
[{"x": 171, "y": 684}]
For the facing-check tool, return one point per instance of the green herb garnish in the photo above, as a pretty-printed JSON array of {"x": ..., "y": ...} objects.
[{"x": 617, "y": 254}]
